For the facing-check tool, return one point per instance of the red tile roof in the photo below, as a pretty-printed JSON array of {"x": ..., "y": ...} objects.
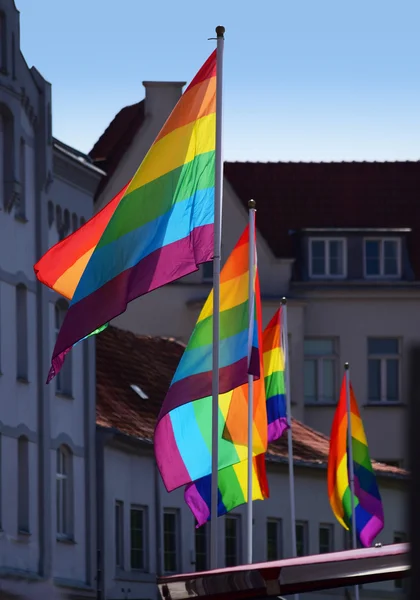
[
  {"x": 116, "y": 140},
  {"x": 294, "y": 196},
  {"x": 124, "y": 359}
]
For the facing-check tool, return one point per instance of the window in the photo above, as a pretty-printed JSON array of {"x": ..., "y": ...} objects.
[
  {"x": 382, "y": 258},
  {"x": 320, "y": 370},
  {"x": 201, "y": 548},
  {"x": 208, "y": 271},
  {"x": 383, "y": 370},
  {"x": 302, "y": 546},
  {"x": 170, "y": 541},
  {"x": 326, "y": 538},
  {"x": 274, "y": 539},
  {"x": 21, "y": 206},
  {"x": 137, "y": 535},
  {"x": 23, "y": 485},
  {"x": 21, "y": 333},
  {"x": 13, "y": 56},
  {"x": 74, "y": 222},
  {"x": 399, "y": 538},
  {"x": 232, "y": 540},
  {"x": 64, "y": 378},
  {"x": 327, "y": 257},
  {"x": 64, "y": 493},
  {"x": 119, "y": 534}
]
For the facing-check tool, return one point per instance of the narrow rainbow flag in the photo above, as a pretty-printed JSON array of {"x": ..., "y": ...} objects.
[
  {"x": 233, "y": 480},
  {"x": 274, "y": 365},
  {"x": 183, "y": 432},
  {"x": 369, "y": 512},
  {"x": 162, "y": 228}
]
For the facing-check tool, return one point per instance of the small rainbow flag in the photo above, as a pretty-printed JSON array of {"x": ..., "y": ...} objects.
[
  {"x": 274, "y": 365},
  {"x": 161, "y": 228},
  {"x": 369, "y": 512},
  {"x": 183, "y": 435},
  {"x": 233, "y": 480}
]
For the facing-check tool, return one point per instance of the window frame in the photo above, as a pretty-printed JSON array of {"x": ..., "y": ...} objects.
[
  {"x": 383, "y": 358},
  {"x": 238, "y": 542},
  {"x": 330, "y": 528},
  {"x": 381, "y": 274},
  {"x": 177, "y": 533},
  {"x": 327, "y": 241},
  {"x": 320, "y": 399},
  {"x": 119, "y": 540},
  {"x": 279, "y": 535},
  {"x": 305, "y": 526},
  {"x": 145, "y": 567},
  {"x": 64, "y": 521}
]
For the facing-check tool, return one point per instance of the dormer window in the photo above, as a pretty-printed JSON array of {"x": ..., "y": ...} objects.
[
  {"x": 327, "y": 258},
  {"x": 382, "y": 257}
]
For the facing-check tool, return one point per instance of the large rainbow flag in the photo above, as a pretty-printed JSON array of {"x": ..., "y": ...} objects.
[
  {"x": 233, "y": 480},
  {"x": 369, "y": 512},
  {"x": 183, "y": 435},
  {"x": 161, "y": 228},
  {"x": 274, "y": 365}
]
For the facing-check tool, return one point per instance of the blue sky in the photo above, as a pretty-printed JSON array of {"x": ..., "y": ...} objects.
[{"x": 304, "y": 79}]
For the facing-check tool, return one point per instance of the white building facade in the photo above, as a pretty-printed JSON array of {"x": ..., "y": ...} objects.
[{"x": 47, "y": 494}]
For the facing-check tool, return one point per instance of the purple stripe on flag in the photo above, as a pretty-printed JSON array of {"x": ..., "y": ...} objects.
[{"x": 276, "y": 428}]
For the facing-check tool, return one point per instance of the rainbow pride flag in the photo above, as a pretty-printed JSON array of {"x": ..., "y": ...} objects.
[
  {"x": 233, "y": 480},
  {"x": 162, "y": 227},
  {"x": 183, "y": 433},
  {"x": 369, "y": 512},
  {"x": 274, "y": 365}
]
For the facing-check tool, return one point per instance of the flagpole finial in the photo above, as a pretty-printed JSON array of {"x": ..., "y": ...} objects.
[
  {"x": 346, "y": 366},
  {"x": 252, "y": 204},
  {"x": 284, "y": 301},
  {"x": 220, "y": 31}
]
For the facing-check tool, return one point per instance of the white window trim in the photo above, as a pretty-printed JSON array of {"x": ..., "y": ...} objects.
[
  {"x": 145, "y": 567},
  {"x": 382, "y": 257},
  {"x": 320, "y": 371},
  {"x": 238, "y": 520},
  {"x": 327, "y": 275},
  {"x": 178, "y": 566},
  {"x": 69, "y": 534},
  {"x": 383, "y": 358}
]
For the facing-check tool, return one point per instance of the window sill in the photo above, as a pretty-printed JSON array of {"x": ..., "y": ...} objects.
[
  {"x": 24, "y": 380},
  {"x": 21, "y": 219},
  {"x": 384, "y": 404},
  {"x": 64, "y": 395},
  {"x": 135, "y": 576},
  {"x": 24, "y": 532},
  {"x": 65, "y": 539}
]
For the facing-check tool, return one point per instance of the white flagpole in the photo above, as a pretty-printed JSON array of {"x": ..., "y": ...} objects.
[
  {"x": 218, "y": 201},
  {"x": 251, "y": 304},
  {"x": 285, "y": 334},
  {"x": 351, "y": 466}
]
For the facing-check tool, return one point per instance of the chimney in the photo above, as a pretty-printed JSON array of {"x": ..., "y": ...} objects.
[{"x": 161, "y": 98}]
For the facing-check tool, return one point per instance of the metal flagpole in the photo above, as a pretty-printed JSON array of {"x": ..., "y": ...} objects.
[
  {"x": 251, "y": 304},
  {"x": 285, "y": 335},
  {"x": 351, "y": 466},
  {"x": 218, "y": 200}
]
